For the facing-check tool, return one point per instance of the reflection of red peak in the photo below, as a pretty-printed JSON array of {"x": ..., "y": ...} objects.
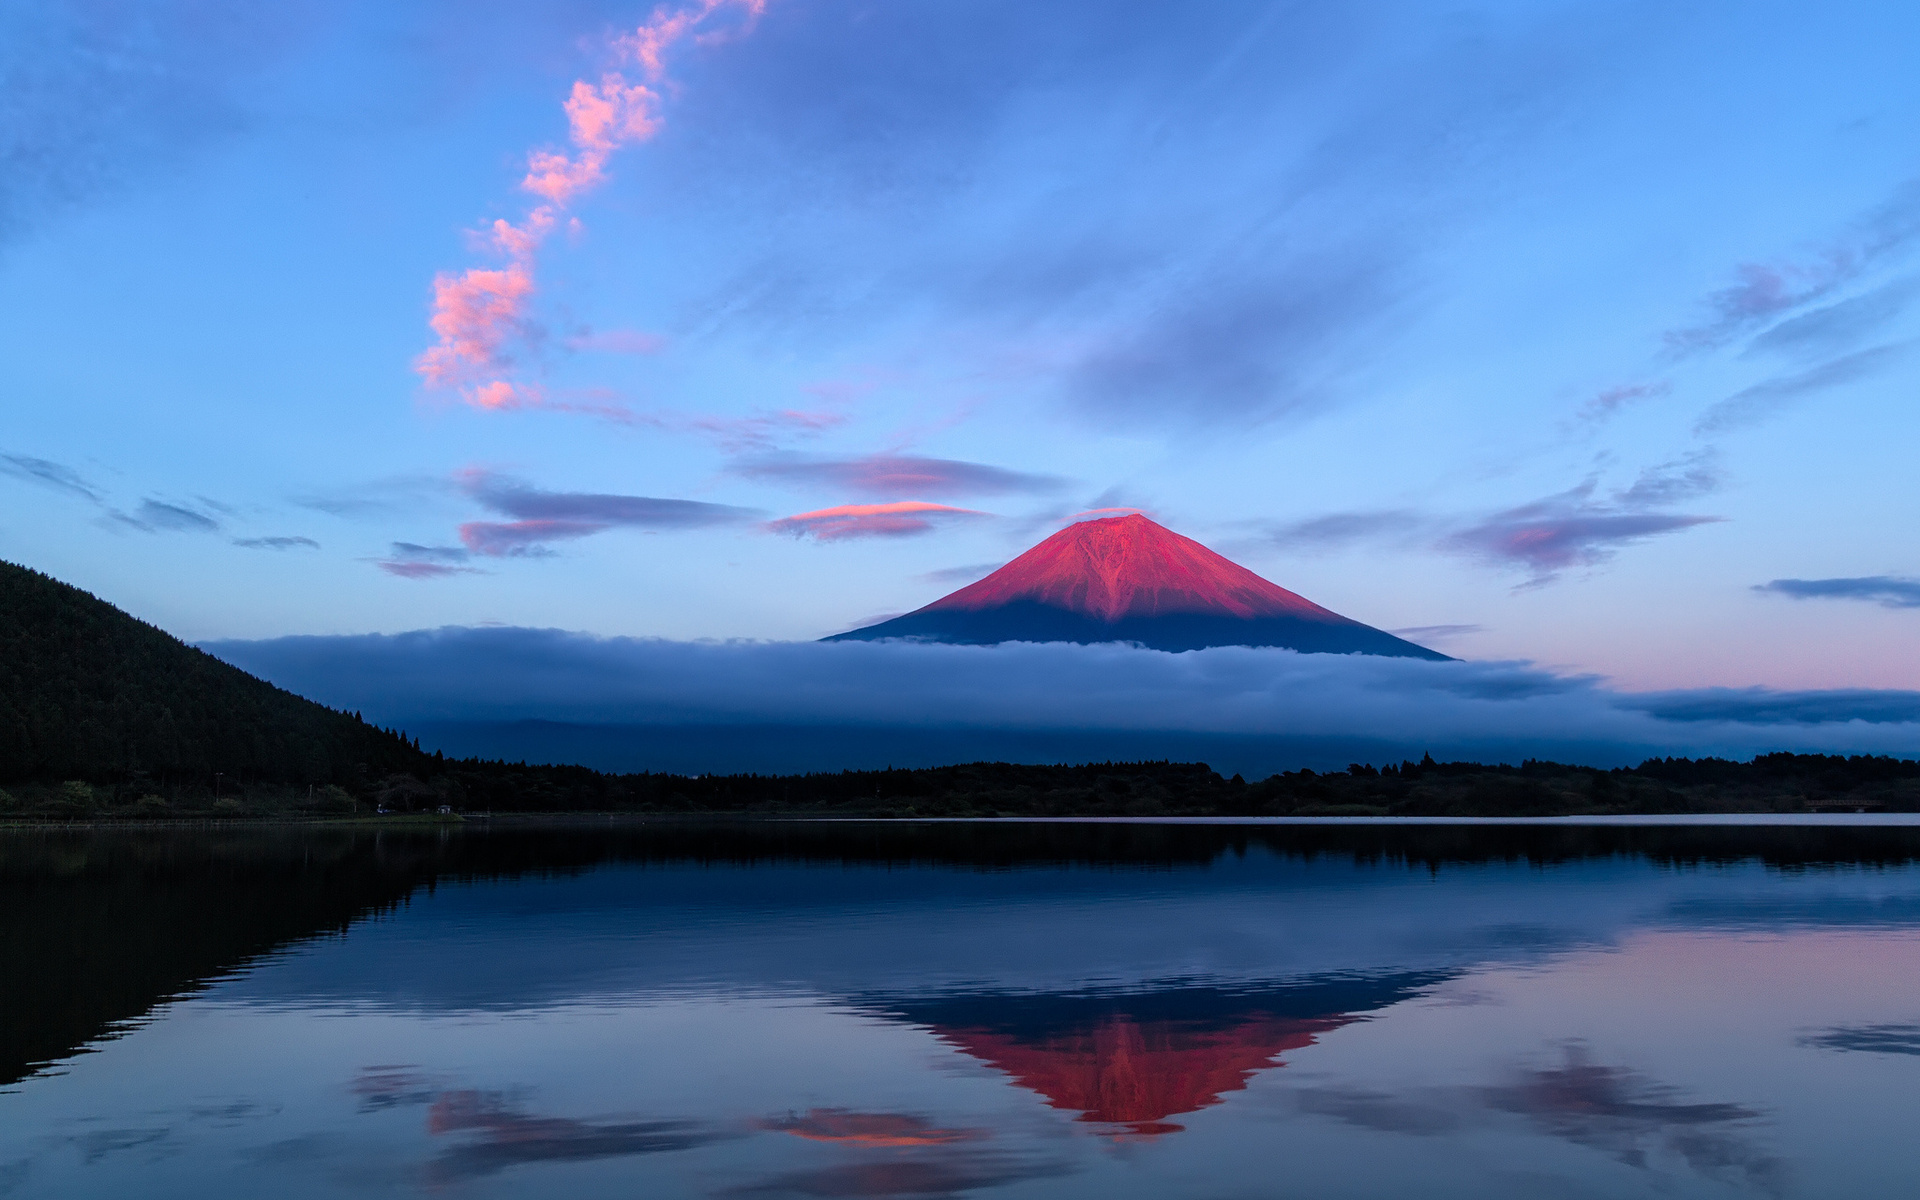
[
  {"x": 1124, "y": 1071},
  {"x": 1131, "y": 567}
]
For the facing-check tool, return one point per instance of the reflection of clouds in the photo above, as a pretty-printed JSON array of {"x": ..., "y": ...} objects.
[
  {"x": 937, "y": 1174},
  {"x": 1616, "y": 1111},
  {"x": 100, "y": 1143},
  {"x": 1381, "y": 1111},
  {"x": 383, "y": 1087},
  {"x": 1624, "y": 1114},
  {"x": 847, "y": 1128},
  {"x": 1876, "y": 1039},
  {"x": 510, "y": 1138}
]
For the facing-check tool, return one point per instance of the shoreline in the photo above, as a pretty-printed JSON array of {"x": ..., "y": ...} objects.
[{"x": 591, "y": 820}]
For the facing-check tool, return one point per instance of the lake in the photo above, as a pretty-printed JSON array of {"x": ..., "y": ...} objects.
[{"x": 927, "y": 1010}]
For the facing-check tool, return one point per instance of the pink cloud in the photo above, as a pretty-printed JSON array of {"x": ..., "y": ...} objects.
[
  {"x": 517, "y": 539},
  {"x": 422, "y": 570},
  {"x": 481, "y": 312},
  {"x": 903, "y": 518},
  {"x": 884, "y": 475},
  {"x": 475, "y": 313}
]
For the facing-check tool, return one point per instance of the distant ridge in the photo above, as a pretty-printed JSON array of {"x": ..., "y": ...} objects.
[{"x": 1129, "y": 579}]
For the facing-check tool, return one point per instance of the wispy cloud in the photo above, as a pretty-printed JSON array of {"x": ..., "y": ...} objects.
[
  {"x": 903, "y": 518},
  {"x": 1611, "y": 400},
  {"x": 618, "y": 341},
  {"x": 1342, "y": 529},
  {"x": 1835, "y": 328},
  {"x": 1575, "y": 528},
  {"x": 1764, "y": 292},
  {"x": 895, "y": 476},
  {"x": 482, "y": 314},
  {"x": 410, "y": 560},
  {"x": 277, "y": 543},
  {"x": 48, "y": 474},
  {"x": 1564, "y": 531},
  {"x": 512, "y": 498},
  {"x": 1235, "y": 349},
  {"x": 953, "y": 576},
  {"x": 1888, "y": 591},
  {"x": 541, "y": 517},
  {"x": 1752, "y": 405},
  {"x": 158, "y": 516},
  {"x": 1436, "y": 633},
  {"x": 1684, "y": 478}
]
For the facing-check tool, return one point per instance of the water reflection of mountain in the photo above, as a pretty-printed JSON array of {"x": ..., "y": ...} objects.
[
  {"x": 99, "y": 927},
  {"x": 1131, "y": 1060}
]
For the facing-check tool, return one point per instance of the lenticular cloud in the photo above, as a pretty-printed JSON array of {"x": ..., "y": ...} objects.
[{"x": 821, "y": 706}]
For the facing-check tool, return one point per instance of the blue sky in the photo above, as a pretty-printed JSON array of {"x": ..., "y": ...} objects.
[{"x": 1556, "y": 331}]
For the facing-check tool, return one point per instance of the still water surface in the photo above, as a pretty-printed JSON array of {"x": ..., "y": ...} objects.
[{"x": 858, "y": 1011}]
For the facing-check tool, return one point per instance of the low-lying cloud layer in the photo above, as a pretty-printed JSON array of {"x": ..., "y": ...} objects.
[{"x": 1249, "y": 710}]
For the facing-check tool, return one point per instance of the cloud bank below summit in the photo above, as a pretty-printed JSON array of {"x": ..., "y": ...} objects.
[{"x": 641, "y": 704}]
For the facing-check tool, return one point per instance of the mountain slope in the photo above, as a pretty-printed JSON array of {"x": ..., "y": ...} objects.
[
  {"x": 1128, "y": 579},
  {"x": 88, "y": 692}
]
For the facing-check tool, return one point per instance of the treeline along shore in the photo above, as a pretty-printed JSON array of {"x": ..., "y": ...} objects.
[
  {"x": 1773, "y": 783},
  {"x": 106, "y": 718}
]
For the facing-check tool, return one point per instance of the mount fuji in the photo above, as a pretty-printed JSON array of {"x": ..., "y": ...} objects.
[{"x": 1128, "y": 579}]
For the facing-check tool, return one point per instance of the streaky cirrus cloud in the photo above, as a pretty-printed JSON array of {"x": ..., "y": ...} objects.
[
  {"x": 512, "y": 498},
  {"x": 48, "y": 474},
  {"x": 1334, "y": 530},
  {"x": 1763, "y": 292},
  {"x": 1834, "y": 328},
  {"x": 541, "y": 517},
  {"x": 481, "y": 314},
  {"x": 1611, "y": 400},
  {"x": 903, "y": 518},
  {"x": 277, "y": 543},
  {"x": 867, "y": 703},
  {"x": 1888, "y": 591},
  {"x": 618, "y": 341},
  {"x": 411, "y": 560},
  {"x": 158, "y": 516},
  {"x": 895, "y": 476},
  {"x": 1434, "y": 633},
  {"x": 1751, "y": 405},
  {"x": 1575, "y": 528},
  {"x": 1565, "y": 531},
  {"x": 955, "y": 576}
]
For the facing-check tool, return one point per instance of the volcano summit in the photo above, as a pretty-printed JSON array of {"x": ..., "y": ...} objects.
[{"x": 1127, "y": 579}]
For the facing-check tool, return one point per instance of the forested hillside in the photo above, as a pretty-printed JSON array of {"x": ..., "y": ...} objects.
[{"x": 88, "y": 693}]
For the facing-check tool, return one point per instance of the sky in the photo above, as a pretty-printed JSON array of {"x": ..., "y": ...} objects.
[{"x": 1581, "y": 335}]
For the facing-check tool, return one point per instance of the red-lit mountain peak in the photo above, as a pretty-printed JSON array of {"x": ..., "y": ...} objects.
[{"x": 1129, "y": 566}]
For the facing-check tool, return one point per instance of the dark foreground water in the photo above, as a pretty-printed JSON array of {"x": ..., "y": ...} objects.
[{"x": 861, "y": 1011}]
